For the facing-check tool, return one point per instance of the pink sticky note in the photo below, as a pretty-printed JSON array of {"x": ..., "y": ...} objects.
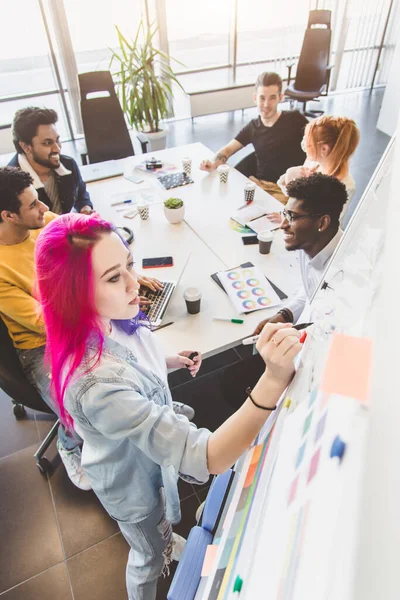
[
  {"x": 348, "y": 367},
  {"x": 314, "y": 465},
  {"x": 209, "y": 558}
]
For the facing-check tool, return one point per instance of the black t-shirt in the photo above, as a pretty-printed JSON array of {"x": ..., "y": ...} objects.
[{"x": 277, "y": 147}]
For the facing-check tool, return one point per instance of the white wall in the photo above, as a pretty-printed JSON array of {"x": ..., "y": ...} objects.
[{"x": 389, "y": 114}]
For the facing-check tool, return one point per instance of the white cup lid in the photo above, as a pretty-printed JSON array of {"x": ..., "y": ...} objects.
[
  {"x": 192, "y": 294},
  {"x": 223, "y": 168},
  {"x": 250, "y": 186},
  {"x": 265, "y": 236},
  {"x": 186, "y": 159}
]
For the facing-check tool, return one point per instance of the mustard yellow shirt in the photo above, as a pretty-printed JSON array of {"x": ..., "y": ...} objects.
[{"x": 18, "y": 308}]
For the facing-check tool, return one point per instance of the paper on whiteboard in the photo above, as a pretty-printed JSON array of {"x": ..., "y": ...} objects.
[{"x": 248, "y": 289}]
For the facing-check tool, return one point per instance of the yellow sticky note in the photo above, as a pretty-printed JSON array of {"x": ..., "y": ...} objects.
[
  {"x": 209, "y": 558},
  {"x": 348, "y": 367}
]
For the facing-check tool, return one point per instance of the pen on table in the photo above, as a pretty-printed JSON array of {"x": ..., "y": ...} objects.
[
  {"x": 228, "y": 320},
  {"x": 251, "y": 340},
  {"x": 244, "y": 205},
  {"x": 162, "y": 326},
  {"x": 120, "y": 203}
]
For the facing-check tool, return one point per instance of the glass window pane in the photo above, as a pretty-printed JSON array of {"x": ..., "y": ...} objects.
[
  {"x": 276, "y": 32},
  {"x": 24, "y": 64},
  {"x": 8, "y": 109},
  {"x": 199, "y": 35},
  {"x": 92, "y": 30}
]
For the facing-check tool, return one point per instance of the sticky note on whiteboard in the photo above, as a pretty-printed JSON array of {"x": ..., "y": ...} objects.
[
  {"x": 348, "y": 367},
  {"x": 209, "y": 559}
]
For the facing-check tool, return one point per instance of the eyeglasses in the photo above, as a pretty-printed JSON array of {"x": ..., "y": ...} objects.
[{"x": 290, "y": 216}]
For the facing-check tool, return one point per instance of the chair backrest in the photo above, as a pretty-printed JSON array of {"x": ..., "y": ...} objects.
[
  {"x": 106, "y": 133},
  {"x": 314, "y": 59},
  {"x": 319, "y": 17},
  {"x": 12, "y": 377}
]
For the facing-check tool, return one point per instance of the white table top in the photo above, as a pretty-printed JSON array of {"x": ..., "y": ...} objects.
[{"x": 207, "y": 236}]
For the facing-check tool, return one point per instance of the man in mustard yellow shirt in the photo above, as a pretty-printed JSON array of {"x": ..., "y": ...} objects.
[{"x": 22, "y": 217}]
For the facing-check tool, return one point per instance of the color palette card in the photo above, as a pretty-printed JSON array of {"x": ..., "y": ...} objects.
[{"x": 248, "y": 289}]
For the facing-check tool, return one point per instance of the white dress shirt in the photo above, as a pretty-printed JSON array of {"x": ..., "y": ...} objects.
[{"x": 311, "y": 272}]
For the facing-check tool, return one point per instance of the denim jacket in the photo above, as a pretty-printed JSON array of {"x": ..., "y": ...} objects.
[{"x": 134, "y": 443}]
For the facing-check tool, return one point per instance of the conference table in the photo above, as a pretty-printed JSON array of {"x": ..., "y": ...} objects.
[{"x": 204, "y": 243}]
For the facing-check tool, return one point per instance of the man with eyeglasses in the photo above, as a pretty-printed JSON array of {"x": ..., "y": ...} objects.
[
  {"x": 311, "y": 225},
  {"x": 56, "y": 177}
]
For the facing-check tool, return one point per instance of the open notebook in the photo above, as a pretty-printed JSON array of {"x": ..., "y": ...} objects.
[{"x": 254, "y": 217}]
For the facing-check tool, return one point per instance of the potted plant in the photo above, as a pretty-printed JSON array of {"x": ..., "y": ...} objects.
[
  {"x": 174, "y": 210},
  {"x": 143, "y": 80}
]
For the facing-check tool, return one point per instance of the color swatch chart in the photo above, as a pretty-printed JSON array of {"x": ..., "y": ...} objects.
[{"x": 248, "y": 289}]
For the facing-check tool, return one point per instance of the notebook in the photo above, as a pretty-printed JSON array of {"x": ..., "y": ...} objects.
[
  {"x": 254, "y": 217},
  {"x": 174, "y": 180},
  {"x": 101, "y": 170}
]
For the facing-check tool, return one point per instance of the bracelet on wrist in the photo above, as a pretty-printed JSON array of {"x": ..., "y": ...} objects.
[
  {"x": 286, "y": 314},
  {"x": 248, "y": 392}
]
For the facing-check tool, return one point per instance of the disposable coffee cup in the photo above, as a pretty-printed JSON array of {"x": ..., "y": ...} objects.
[
  {"x": 264, "y": 241},
  {"x": 187, "y": 166},
  {"x": 223, "y": 171},
  {"x": 249, "y": 191},
  {"x": 144, "y": 211},
  {"x": 192, "y": 298}
]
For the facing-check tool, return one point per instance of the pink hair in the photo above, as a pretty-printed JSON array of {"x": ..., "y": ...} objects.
[{"x": 65, "y": 289}]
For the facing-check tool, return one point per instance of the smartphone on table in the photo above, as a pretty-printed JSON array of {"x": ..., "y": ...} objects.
[
  {"x": 160, "y": 261},
  {"x": 249, "y": 240}
]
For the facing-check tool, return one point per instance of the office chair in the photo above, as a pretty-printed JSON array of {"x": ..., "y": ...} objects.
[
  {"x": 313, "y": 69},
  {"x": 107, "y": 136},
  {"x": 248, "y": 165},
  {"x": 15, "y": 384}
]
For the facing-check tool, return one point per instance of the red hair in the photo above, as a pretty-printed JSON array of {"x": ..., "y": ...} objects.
[
  {"x": 341, "y": 135},
  {"x": 65, "y": 289}
]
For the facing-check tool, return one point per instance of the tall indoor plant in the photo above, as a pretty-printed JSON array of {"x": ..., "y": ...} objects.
[{"x": 143, "y": 77}]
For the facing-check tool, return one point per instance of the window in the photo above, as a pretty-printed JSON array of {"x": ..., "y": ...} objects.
[
  {"x": 25, "y": 66},
  {"x": 91, "y": 24},
  {"x": 199, "y": 33}
]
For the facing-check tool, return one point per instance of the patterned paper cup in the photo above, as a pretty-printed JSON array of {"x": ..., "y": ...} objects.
[
  {"x": 144, "y": 211},
  {"x": 223, "y": 171},
  {"x": 187, "y": 166}
]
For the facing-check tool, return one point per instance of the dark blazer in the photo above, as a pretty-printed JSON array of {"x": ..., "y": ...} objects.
[{"x": 71, "y": 188}]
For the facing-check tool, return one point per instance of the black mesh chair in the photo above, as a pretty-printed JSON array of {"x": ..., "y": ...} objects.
[
  {"x": 14, "y": 383},
  {"x": 313, "y": 69},
  {"x": 107, "y": 136}
]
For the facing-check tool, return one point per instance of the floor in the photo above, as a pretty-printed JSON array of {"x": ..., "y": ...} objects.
[{"x": 57, "y": 541}]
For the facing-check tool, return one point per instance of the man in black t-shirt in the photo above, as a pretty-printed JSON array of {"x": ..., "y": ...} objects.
[{"x": 275, "y": 135}]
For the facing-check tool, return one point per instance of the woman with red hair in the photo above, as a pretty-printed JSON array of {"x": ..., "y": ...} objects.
[{"x": 329, "y": 143}]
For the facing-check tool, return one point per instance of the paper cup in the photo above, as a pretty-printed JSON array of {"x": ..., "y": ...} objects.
[
  {"x": 144, "y": 211},
  {"x": 264, "y": 241},
  {"x": 223, "y": 171},
  {"x": 249, "y": 191},
  {"x": 187, "y": 166},
  {"x": 192, "y": 298}
]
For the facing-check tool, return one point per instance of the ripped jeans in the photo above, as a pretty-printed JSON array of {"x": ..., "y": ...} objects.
[{"x": 151, "y": 546}]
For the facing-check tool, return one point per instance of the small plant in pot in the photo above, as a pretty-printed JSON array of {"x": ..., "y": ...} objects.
[{"x": 174, "y": 210}]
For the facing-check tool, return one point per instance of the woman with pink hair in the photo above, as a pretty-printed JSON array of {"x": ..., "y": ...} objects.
[{"x": 109, "y": 379}]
